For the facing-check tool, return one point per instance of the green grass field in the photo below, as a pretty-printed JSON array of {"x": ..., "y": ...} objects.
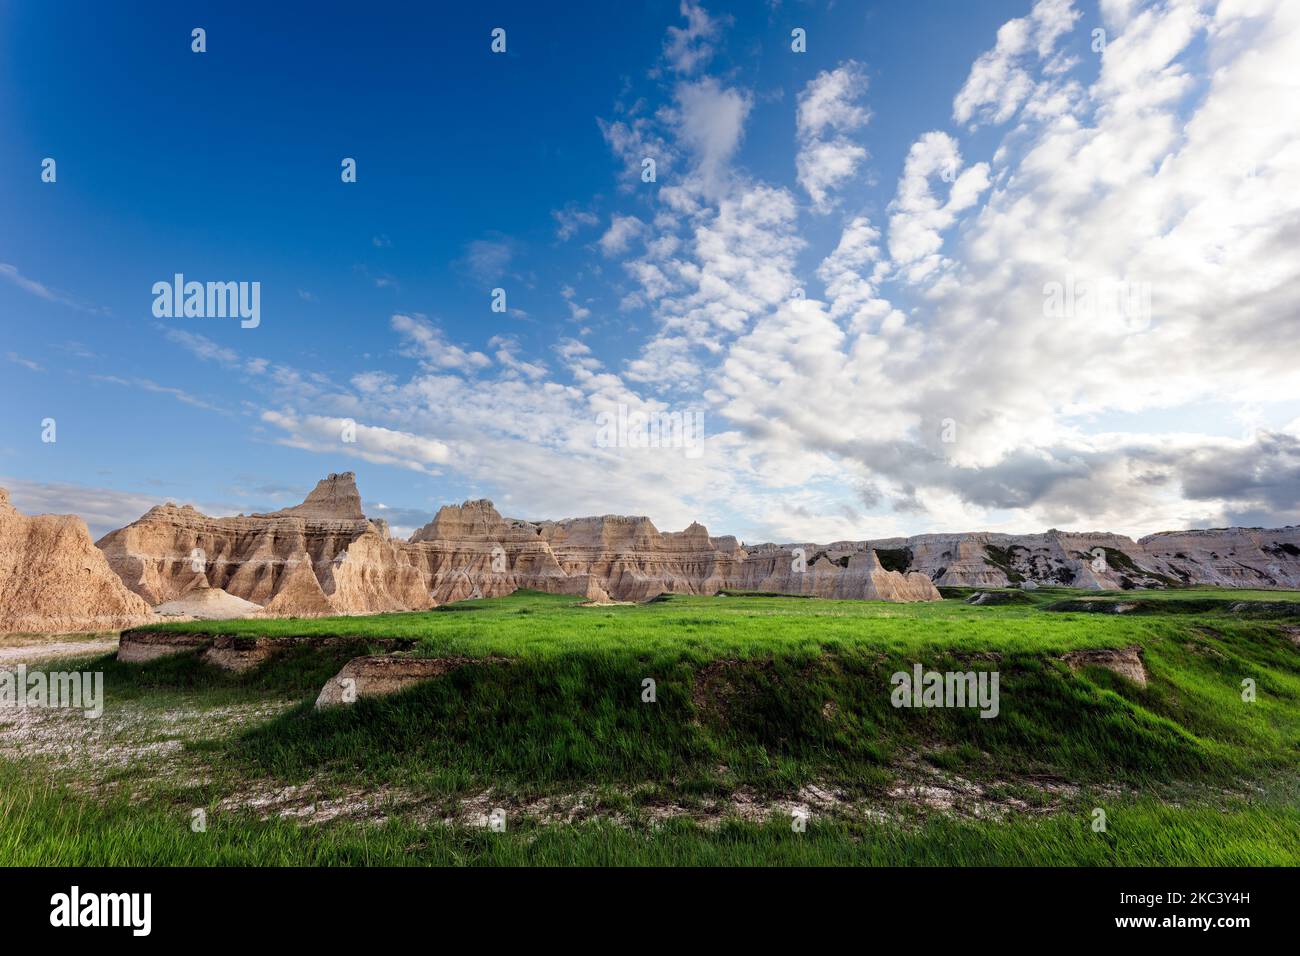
[{"x": 762, "y": 704}]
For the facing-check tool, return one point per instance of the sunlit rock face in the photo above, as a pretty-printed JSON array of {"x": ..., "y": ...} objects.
[
  {"x": 54, "y": 579},
  {"x": 1224, "y": 557},
  {"x": 319, "y": 557},
  {"x": 324, "y": 557},
  {"x": 624, "y": 558}
]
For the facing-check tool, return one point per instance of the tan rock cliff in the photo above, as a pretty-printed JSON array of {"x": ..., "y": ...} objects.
[{"x": 54, "y": 579}]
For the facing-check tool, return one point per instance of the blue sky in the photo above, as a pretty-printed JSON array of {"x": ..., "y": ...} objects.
[{"x": 518, "y": 171}]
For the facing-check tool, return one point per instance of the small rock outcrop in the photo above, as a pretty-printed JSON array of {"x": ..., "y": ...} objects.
[
  {"x": 54, "y": 579},
  {"x": 233, "y": 652},
  {"x": 375, "y": 676},
  {"x": 140, "y": 647},
  {"x": 1125, "y": 661},
  {"x": 207, "y": 603}
]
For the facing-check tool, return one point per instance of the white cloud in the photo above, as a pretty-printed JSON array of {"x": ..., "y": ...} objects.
[
  {"x": 633, "y": 142},
  {"x": 202, "y": 346},
  {"x": 710, "y": 121},
  {"x": 42, "y": 291},
  {"x": 508, "y": 354},
  {"x": 577, "y": 311},
  {"x": 149, "y": 385},
  {"x": 688, "y": 48},
  {"x": 1000, "y": 82},
  {"x": 373, "y": 443},
  {"x": 29, "y": 364},
  {"x": 919, "y": 217},
  {"x": 828, "y": 103},
  {"x": 569, "y": 220},
  {"x": 428, "y": 343},
  {"x": 828, "y": 109},
  {"x": 488, "y": 260},
  {"x": 735, "y": 261},
  {"x": 852, "y": 270},
  {"x": 620, "y": 234}
]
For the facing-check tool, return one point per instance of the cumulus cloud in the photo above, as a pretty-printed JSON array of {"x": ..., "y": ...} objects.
[
  {"x": 1000, "y": 80},
  {"x": 919, "y": 216},
  {"x": 710, "y": 121},
  {"x": 428, "y": 343},
  {"x": 634, "y": 141},
  {"x": 928, "y": 382},
  {"x": 688, "y": 48},
  {"x": 828, "y": 103},
  {"x": 735, "y": 261},
  {"x": 828, "y": 109},
  {"x": 852, "y": 271},
  {"x": 620, "y": 234}
]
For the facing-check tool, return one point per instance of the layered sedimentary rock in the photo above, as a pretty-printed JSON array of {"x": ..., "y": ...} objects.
[
  {"x": 471, "y": 550},
  {"x": 375, "y": 676},
  {"x": 324, "y": 557},
  {"x": 320, "y": 557},
  {"x": 1229, "y": 557},
  {"x": 208, "y": 603},
  {"x": 841, "y": 570},
  {"x": 1226, "y": 557},
  {"x": 335, "y": 498},
  {"x": 53, "y": 578},
  {"x": 1126, "y": 661}
]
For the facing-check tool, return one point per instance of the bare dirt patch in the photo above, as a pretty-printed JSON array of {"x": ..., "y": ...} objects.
[
  {"x": 1125, "y": 661},
  {"x": 96, "y": 755},
  {"x": 33, "y": 649},
  {"x": 720, "y": 685}
]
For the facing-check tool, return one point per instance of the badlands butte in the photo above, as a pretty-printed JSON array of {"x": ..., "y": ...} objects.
[{"x": 325, "y": 557}]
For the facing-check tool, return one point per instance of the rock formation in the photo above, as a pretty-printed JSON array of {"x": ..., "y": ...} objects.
[
  {"x": 472, "y": 550},
  {"x": 843, "y": 570},
  {"x": 335, "y": 498},
  {"x": 375, "y": 676},
  {"x": 207, "y": 603},
  {"x": 324, "y": 557},
  {"x": 1225, "y": 557},
  {"x": 1125, "y": 661},
  {"x": 53, "y": 578},
  {"x": 319, "y": 557}
]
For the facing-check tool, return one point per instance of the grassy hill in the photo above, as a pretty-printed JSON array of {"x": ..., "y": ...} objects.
[{"x": 765, "y": 708}]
